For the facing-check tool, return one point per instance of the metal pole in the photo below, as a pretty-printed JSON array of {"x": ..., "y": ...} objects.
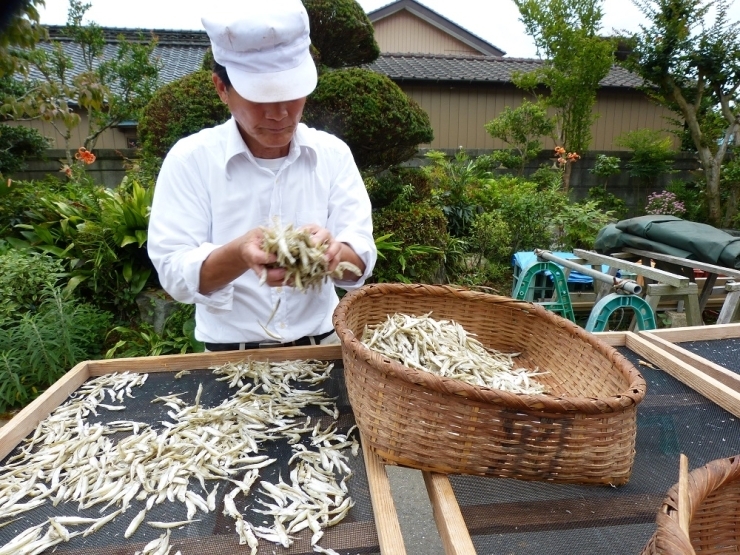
[{"x": 628, "y": 285}]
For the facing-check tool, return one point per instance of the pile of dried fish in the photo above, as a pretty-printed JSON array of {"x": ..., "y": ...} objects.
[
  {"x": 444, "y": 348},
  {"x": 70, "y": 460},
  {"x": 305, "y": 264}
]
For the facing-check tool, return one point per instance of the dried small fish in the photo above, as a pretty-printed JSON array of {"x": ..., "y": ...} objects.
[
  {"x": 68, "y": 459},
  {"x": 305, "y": 265},
  {"x": 443, "y": 347}
]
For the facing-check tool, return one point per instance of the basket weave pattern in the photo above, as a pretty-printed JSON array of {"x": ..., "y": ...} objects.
[
  {"x": 714, "y": 508},
  {"x": 583, "y": 431}
]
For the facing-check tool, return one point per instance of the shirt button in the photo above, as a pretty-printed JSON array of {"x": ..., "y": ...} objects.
[
  {"x": 282, "y": 326},
  {"x": 278, "y": 290}
]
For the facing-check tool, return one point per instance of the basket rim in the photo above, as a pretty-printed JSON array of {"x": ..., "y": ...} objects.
[
  {"x": 544, "y": 402},
  {"x": 702, "y": 482}
]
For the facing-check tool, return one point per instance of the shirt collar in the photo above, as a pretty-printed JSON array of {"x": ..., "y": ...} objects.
[{"x": 235, "y": 145}]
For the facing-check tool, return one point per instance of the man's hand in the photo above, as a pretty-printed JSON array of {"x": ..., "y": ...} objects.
[
  {"x": 236, "y": 257},
  {"x": 259, "y": 261},
  {"x": 336, "y": 251}
]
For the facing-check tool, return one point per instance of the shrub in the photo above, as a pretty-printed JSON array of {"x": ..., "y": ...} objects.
[
  {"x": 398, "y": 187},
  {"x": 455, "y": 181},
  {"x": 37, "y": 349},
  {"x": 490, "y": 238},
  {"x": 527, "y": 210},
  {"x": 652, "y": 154},
  {"x": 607, "y": 202},
  {"x": 382, "y": 126},
  {"x": 521, "y": 128},
  {"x": 420, "y": 225},
  {"x": 98, "y": 233},
  {"x": 578, "y": 224},
  {"x": 18, "y": 144},
  {"x": 179, "y": 109},
  {"x": 606, "y": 166},
  {"x": 664, "y": 202},
  {"x": 24, "y": 277},
  {"x": 341, "y": 32},
  {"x": 142, "y": 340}
]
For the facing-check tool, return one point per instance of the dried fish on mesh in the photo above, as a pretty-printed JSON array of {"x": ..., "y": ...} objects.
[
  {"x": 70, "y": 460},
  {"x": 443, "y": 347},
  {"x": 304, "y": 263}
]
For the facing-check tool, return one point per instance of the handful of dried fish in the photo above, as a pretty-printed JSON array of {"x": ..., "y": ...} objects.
[
  {"x": 444, "y": 348},
  {"x": 304, "y": 263}
]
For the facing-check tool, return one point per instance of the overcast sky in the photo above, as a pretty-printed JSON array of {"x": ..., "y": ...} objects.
[{"x": 496, "y": 21}]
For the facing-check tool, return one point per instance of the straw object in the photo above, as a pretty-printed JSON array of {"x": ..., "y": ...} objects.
[
  {"x": 583, "y": 431},
  {"x": 714, "y": 513}
]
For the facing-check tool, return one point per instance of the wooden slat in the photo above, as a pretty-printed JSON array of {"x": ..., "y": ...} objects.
[
  {"x": 560, "y": 514},
  {"x": 711, "y": 268},
  {"x": 613, "y": 338},
  {"x": 704, "y": 333},
  {"x": 27, "y": 419},
  {"x": 447, "y": 515},
  {"x": 712, "y": 389},
  {"x": 711, "y": 369},
  {"x": 384, "y": 510},
  {"x": 639, "y": 269},
  {"x": 175, "y": 363}
]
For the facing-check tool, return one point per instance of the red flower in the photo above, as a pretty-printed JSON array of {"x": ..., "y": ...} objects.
[
  {"x": 66, "y": 170},
  {"x": 559, "y": 150},
  {"x": 85, "y": 156}
]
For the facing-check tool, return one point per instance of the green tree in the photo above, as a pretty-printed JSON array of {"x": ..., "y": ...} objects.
[
  {"x": 381, "y": 125},
  {"x": 576, "y": 60},
  {"x": 336, "y": 24},
  {"x": 18, "y": 144},
  {"x": 522, "y": 128},
  {"x": 179, "y": 109},
  {"x": 689, "y": 57},
  {"x": 22, "y": 32},
  {"x": 652, "y": 154},
  {"x": 111, "y": 90}
]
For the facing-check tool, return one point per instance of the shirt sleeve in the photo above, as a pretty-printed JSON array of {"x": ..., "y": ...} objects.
[
  {"x": 350, "y": 214},
  {"x": 179, "y": 233}
]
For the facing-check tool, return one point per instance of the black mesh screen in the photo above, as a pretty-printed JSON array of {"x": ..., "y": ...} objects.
[
  {"x": 510, "y": 517},
  {"x": 214, "y": 533},
  {"x": 725, "y": 352}
]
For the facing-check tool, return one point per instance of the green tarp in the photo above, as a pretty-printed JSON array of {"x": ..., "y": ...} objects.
[{"x": 672, "y": 236}]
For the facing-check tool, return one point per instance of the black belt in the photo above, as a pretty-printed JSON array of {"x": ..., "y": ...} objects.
[{"x": 307, "y": 340}]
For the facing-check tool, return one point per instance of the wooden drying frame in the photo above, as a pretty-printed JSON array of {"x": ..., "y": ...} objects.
[
  {"x": 656, "y": 347},
  {"x": 384, "y": 511}
]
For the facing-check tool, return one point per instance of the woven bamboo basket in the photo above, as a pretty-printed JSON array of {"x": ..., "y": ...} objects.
[
  {"x": 581, "y": 431},
  {"x": 714, "y": 513}
]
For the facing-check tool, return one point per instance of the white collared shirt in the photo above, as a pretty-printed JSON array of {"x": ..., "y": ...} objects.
[{"x": 210, "y": 191}]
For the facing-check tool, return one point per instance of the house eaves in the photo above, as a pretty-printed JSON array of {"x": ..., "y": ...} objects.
[
  {"x": 436, "y": 68},
  {"x": 440, "y": 22}
]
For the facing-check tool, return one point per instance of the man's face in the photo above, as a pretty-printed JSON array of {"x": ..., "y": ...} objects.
[{"x": 268, "y": 127}]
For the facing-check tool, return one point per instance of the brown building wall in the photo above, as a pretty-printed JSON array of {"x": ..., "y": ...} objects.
[
  {"x": 115, "y": 139},
  {"x": 404, "y": 32},
  {"x": 458, "y": 114}
]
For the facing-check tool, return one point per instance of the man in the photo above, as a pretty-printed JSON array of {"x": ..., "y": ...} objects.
[{"x": 218, "y": 187}]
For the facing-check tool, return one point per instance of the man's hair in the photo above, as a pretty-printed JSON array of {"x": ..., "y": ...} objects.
[{"x": 220, "y": 70}]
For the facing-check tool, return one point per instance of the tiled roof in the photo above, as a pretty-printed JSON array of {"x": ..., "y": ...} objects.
[
  {"x": 474, "y": 69},
  {"x": 181, "y": 53}
]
